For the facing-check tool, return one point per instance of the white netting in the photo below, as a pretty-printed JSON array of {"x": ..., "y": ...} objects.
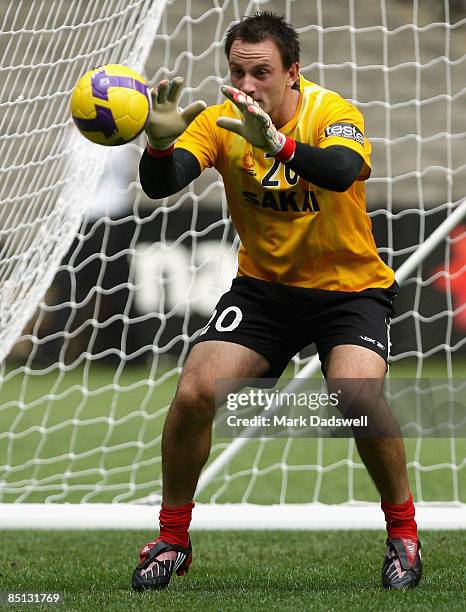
[
  {"x": 45, "y": 180},
  {"x": 87, "y": 386}
]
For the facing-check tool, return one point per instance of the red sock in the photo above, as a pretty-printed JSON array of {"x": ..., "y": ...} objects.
[
  {"x": 400, "y": 519},
  {"x": 174, "y": 524}
]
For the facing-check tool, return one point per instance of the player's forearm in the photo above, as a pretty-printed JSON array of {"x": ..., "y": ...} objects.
[
  {"x": 334, "y": 168},
  {"x": 163, "y": 176}
]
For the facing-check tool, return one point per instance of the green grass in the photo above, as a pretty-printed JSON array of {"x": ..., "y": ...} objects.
[
  {"x": 45, "y": 417},
  {"x": 234, "y": 571},
  {"x": 51, "y": 414}
]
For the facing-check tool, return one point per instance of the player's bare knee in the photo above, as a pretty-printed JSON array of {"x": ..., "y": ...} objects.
[{"x": 195, "y": 401}]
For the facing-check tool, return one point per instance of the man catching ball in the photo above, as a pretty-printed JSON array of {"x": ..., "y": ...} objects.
[{"x": 294, "y": 158}]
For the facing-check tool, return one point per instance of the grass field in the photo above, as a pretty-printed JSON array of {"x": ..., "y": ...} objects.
[
  {"x": 93, "y": 434},
  {"x": 234, "y": 571}
]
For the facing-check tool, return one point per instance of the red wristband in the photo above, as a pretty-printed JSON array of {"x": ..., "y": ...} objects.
[
  {"x": 286, "y": 153},
  {"x": 160, "y": 152}
]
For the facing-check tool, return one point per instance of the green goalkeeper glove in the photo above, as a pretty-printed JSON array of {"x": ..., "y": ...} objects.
[
  {"x": 256, "y": 126},
  {"x": 167, "y": 121}
]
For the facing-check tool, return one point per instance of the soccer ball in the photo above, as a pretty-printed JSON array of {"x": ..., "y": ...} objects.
[{"x": 110, "y": 104}]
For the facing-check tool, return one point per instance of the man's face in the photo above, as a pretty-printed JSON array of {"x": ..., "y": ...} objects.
[{"x": 257, "y": 70}]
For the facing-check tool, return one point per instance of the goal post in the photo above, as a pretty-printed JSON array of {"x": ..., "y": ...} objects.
[{"x": 102, "y": 291}]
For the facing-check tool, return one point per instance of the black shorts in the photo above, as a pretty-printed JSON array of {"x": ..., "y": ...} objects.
[{"x": 278, "y": 321}]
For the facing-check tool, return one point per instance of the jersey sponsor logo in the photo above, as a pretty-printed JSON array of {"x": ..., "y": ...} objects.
[
  {"x": 249, "y": 164},
  {"x": 345, "y": 130},
  {"x": 284, "y": 201}
]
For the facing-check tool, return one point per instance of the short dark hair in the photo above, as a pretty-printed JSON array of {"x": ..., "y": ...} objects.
[{"x": 262, "y": 26}]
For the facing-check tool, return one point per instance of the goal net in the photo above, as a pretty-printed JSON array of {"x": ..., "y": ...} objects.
[{"x": 102, "y": 290}]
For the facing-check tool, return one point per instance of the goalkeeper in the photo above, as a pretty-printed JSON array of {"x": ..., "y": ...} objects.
[{"x": 294, "y": 158}]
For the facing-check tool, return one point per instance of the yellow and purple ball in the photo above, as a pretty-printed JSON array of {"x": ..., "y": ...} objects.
[{"x": 111, "y": 104}]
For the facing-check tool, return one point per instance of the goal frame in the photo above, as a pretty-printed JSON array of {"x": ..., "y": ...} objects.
[
  {"x": 142, "y": 513},
  {"x": 312, "y": 516}
]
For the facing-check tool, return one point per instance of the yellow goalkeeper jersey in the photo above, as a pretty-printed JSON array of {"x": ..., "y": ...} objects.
[{"x": 293, "y": 232}]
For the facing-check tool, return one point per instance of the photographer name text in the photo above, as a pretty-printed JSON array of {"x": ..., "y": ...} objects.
[{"x": 302, "y": 421}]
